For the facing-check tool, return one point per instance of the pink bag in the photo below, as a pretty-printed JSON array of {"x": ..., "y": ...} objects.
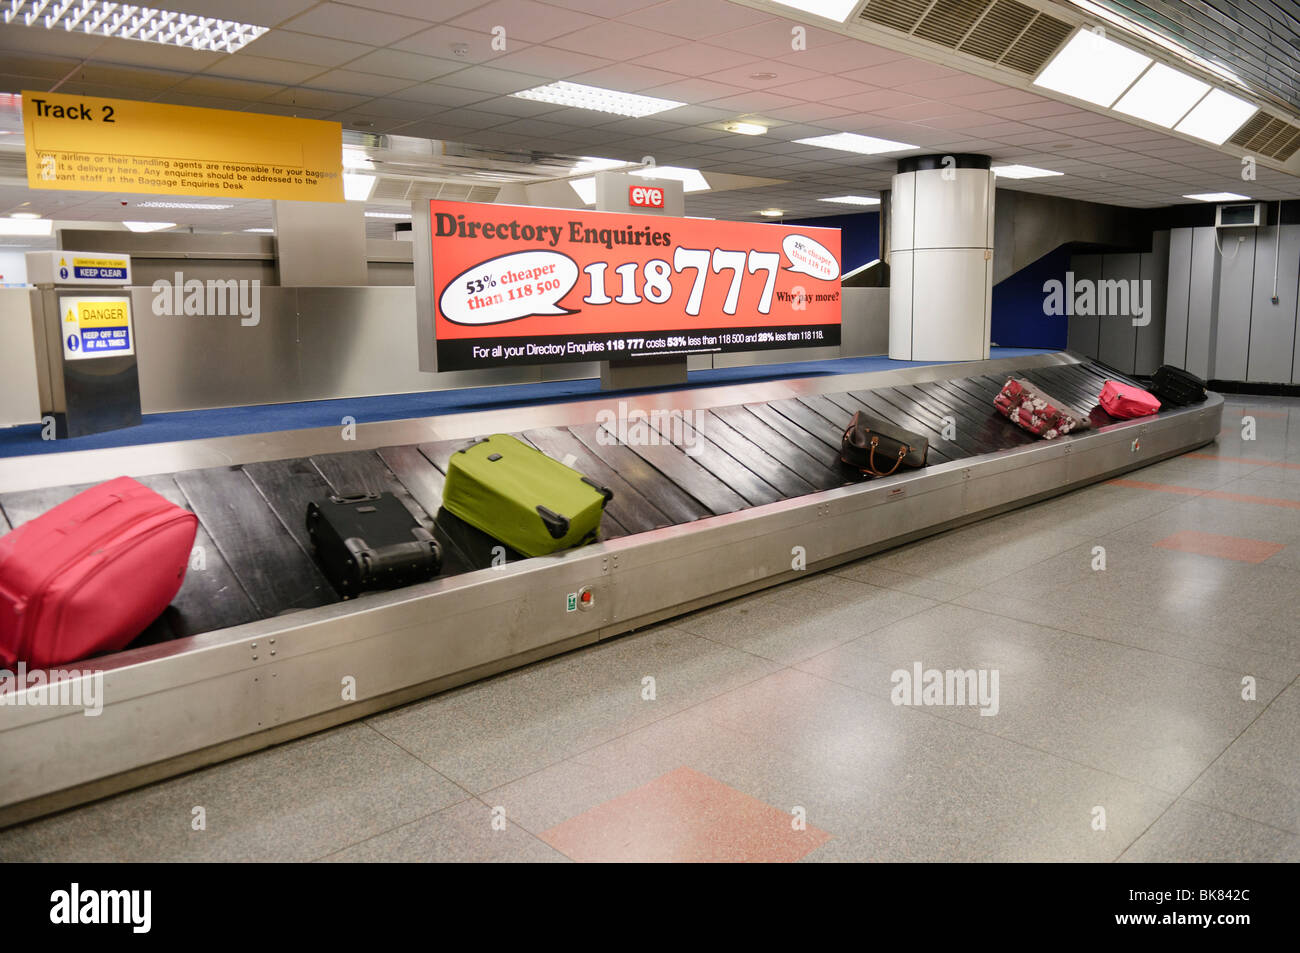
[
  {"x": 1125, "y": 400},
  {"x": 91, "y": 574}
]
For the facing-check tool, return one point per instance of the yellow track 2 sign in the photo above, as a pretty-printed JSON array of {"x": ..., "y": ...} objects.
[{"x": 118, "y": 145}]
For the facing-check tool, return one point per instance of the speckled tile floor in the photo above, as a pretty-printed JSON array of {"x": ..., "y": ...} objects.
[{"x": 1145, "y": 711}]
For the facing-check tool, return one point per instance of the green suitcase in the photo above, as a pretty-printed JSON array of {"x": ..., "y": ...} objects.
[{"x": 520, "y": 496}]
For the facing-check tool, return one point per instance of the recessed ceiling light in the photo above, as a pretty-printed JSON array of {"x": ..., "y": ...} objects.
[
  {"x": 1162, "y": 96},
  {"x": 762, "y": 76},
  {"x": 745, "y": 128},
  {"x": 199, "y": 206},
  {"x": 354, "y": 158},
  {"x": 26, "y": 226},
  {"x": 1093, "y": 68},
  {"x": 261, "y": 231},
  {"x": 692, "y": 180},
  {"x": 597, "y": 164},
  {"x": 852, "y": 142},
  {"x": 129, "y": 22},
  {"x": 1218, "y": 197},
  {"x": 388, "y": 215},
  {"x": 1216, "y": 117},
  {"x": 601, "y": 100},
  {"x": 772, "y": 212},
  {"x": 357, "y": 187},
  {"x": 1023, "y": 172},
  {"x": 148, "y": 226},
  {"x": 24, "y": 215},
  {"x": 586, "y": 189},
  {"x": 852, "y": 200},
  {"x": 837, "y": 10}
]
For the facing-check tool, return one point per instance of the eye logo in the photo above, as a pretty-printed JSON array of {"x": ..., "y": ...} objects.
[{"x": 645, "y": 196}]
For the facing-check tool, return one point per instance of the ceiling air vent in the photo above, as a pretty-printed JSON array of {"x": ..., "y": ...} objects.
[
  {"x": 899, "y": 15},
  {"x": 1268, "y": 136},
  {"x": 1000, "y": 27},
  {"x": 948, "y": 23},
  {"x": 1041, "y": 39},
  {"x": 1005, "y": 32}
]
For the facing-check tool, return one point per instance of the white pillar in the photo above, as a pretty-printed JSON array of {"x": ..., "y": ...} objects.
[{"x": 941, "y": 259}]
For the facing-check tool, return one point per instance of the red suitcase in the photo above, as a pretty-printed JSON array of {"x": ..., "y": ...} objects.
[
  {"x": 1030, "y": 409},
  {"x": 91, "y": 574},
  {"x": 1126, "y": 401}
]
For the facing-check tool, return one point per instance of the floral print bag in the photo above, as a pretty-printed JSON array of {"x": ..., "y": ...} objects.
[{"x": 1030, "y": 409}]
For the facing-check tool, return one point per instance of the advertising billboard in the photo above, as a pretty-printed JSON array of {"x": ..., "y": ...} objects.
[{"x": 523, "y": 285}]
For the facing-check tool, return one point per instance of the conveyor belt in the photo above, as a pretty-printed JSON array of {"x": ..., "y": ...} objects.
[
  {"x": 256, "y": 554},
  {"x": 252, "y": 650}
]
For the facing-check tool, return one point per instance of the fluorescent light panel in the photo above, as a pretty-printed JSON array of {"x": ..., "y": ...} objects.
[
  {"x": 261, "y": 231},
  {"x": 1162, "y": 96},
  {"x": 600, "y": 100},
  {"x": 148, "y": 226},
  {"x": 745, "y": 128},
  {"x": 852, "y": 200},
  {"x": 26, "y": 226},
  {"x": 388, "y": 214},
  {"x": 586, "y": 189},
  {"x": 772, "y": 212},
  {"x": 837, "y": 10},
  {"x": 1218, "y": 197},
  {"x": 1023, "y": 172},
  {"x": 692, "y": 180},
  {"x": 200, "y": 206},
  {"x": 1216, "y": 117},
  {"x": 852, "y": 142},
  {"x": 357, "y": 188},
  {"x": 1093, "y": 68},
  {"x": 129, "y": 22}
]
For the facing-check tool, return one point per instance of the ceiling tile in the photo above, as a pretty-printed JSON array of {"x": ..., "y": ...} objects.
[
  {"x": 317, "y": 98},
  {"x": 263, "y": 69},
  {"x": 341, "y": 22},
  {"x": 1034, "y": 110},
  {"x": 693, "y": 91},
  {"x": 301, "y": 48},
  {"x": 362, "y": 84},
  {"x": 440, "y": 40},
  {"x": 747, "y": 76},
  {"x": 696, "y": 19},
  {"x": 626, "y": 77},
  {"x": 842, "y": 57},
  {"x": 492, "y": 80},
  {"x": 527, "y": 20},
  {"x": 873, "y": 100},
  {"x": 412, "y": 66},
  {"x": 775, "y": 38},
  {"x": 695, "y": 59},
  {"x": 900, "y": 72},
  {"x": 440, "y": 94},
  {"x": 550, "y": 62},
  {"x": 949, "y": 86},
  {"x": 617, "y": 41},
  {"x": 602, "y": 8}
]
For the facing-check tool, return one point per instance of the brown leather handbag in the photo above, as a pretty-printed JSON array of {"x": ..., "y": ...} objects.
[{"x": 878, "y": 448}]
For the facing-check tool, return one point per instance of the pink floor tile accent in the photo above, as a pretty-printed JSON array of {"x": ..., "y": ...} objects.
[
  {"x": 684, "y": 816},
  {"x": 1225, "y": 547},
  {"x": 1255, "y": 460},
  {"x": 1208, "y": 494}
]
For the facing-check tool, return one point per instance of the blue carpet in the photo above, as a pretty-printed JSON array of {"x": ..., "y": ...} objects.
[{"x": 265, "y": 418}]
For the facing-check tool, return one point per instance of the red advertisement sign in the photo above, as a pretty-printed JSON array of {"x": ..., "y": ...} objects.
[{"x": 523, "y": 285}]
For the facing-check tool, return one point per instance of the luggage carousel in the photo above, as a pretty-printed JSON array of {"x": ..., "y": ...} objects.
[{"x": 257, "y": 648}]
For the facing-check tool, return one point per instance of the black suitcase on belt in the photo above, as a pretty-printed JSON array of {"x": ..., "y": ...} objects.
[
  {"x": 370, "y": 541},
  {"x": 1175, "y": 387}
]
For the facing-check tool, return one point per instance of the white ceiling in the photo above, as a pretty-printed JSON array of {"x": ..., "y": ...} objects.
[{"x": 392, "y": 67}]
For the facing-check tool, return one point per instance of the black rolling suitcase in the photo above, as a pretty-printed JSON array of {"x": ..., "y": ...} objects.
[
  {"x": 1175, "y": 387},
  {"x": 370, "y": 541}
]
